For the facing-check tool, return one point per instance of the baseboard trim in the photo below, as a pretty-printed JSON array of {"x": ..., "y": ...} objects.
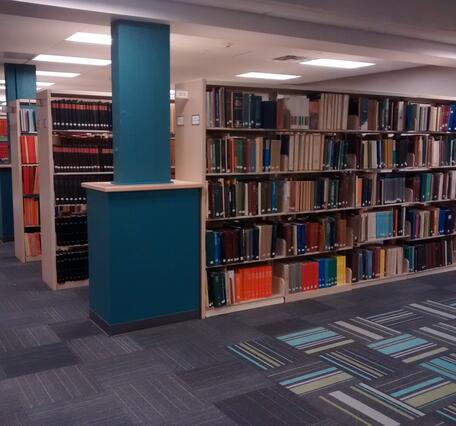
[{"x": 111, "y": 330}]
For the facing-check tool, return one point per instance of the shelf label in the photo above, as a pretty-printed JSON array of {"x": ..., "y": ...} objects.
[{"x": 196, "y": 120}]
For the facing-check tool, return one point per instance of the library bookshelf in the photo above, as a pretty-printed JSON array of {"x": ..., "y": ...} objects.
[
  {"x": 62, "y": 199},
  {"x": 26, "y": 229},
  {"x": 195, "y": 117}
]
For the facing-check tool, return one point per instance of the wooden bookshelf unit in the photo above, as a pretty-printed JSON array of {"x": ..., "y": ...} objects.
[
  {"x": 58, "y": 198},
  {"x": 375, "y": 145}
]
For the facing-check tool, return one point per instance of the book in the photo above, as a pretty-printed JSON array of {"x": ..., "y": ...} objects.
[
  {"x": 77, "y": 153},
  {"x": 76, "y": 114}
]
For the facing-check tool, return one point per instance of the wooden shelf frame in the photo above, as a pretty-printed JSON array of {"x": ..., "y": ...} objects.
[
  {"x": 17, "y": 164},
  {"x": 47, "y": 172},
  {"x": 191, "y": 165}
]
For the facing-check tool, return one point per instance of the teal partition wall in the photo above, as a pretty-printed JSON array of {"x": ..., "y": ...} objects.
[
  {"x": 144, "y": 257},
  {"x": 144, "y": 229},
  {"x": 20, "y": 84},
  {"x": 140, "y": 102}
]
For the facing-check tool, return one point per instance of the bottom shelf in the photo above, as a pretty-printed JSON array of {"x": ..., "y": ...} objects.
[
  {"x": 312, "y": 294},
  {"x": 243, "y": 306},
  {"x": 33, "y": 258},
  {"x": 70, "y": 284}
]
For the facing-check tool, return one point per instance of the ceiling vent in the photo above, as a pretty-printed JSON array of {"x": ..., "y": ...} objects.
[{"x": 290, "y": 58}]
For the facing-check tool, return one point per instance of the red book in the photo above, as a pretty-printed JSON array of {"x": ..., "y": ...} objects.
[{"x": 309, "y": 276}]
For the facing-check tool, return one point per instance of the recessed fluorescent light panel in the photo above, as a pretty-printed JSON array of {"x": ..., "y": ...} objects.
[
  {"x": 57, "y": 74},
  {"x": 91, "y": 38},
  {"x": 72, "y": 60},
  {"x": 337, "y": 63},
  {"x": 268, "y": 76}
]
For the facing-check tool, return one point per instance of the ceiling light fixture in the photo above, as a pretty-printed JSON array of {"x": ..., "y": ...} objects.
[
  {"x": 337, "y": 63},
  {"x": 57, "y": 74},
  {"x": 72, "y": 60},
  {"x": 91, "y": 38},
  {"x": 43, "y": 84},
  {"x": 267, "y": 76}
]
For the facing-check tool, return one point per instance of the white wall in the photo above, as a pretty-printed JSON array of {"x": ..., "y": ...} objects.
[{"x": 428, "y": 82}]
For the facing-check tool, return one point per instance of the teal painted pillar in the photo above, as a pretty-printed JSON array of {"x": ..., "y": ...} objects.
[
  {"x": 20, "y": 84},
  {"x": 144, "y": 230},
  {"x": 140, "y": 102}
]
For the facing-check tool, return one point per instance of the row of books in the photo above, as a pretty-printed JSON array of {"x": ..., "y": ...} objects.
[
  {"x": 429, "y": 255},
  {"x": 3, "y": 127},
  {"x": 71, "y": 230},
  {"x": 27, "y": 117},
  {"x": 238, "y": 242},
  {"x": 408, "y": 151},
  {"x": 369, "y": 226},
  {"x": 29, "y": 149},
  {"x": 230, "y": 107},
  {"x": 31, "y": 212},
  {"x": 376, "y": 262},
  {"x": 398, "y": 115},
  {"x": 70, "y": 114},
  {"x": 68, "y": 189},
  {"x": 32, "y": 241},
  {"x": 423, "y": 187},
  {"x": 314, "y": 152},
  {"x": 226, "y": 107},
  {"x": 4, "y": 152},
  {"x": 82, "y": 154},
  {"x": 238, "y": 285},
  {"x": 324, "y": 111},
  {"x": 234, "y": 197},
  {"x": 313, "y": 274},
  {"x": 72, "y": 264},
  {"x": 286, "y": 153},
  {"x": 30, "y": 180},
  {"x": 430, "y": 222}
]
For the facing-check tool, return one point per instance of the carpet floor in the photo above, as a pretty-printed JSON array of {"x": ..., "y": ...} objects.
[{"x": 383, "y": 355}]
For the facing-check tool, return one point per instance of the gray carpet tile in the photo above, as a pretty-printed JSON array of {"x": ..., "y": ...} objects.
[
  {"x": 49, "y": 387},
  {"x": 223, "y": 380},
  {"x": 33, "y": 360},
  {"x": 100, "y": 347},
  {"x": 75, "y": 329},
  {"x": 14, "y": 339},
  {"x": 154, "y": 401},
  {"x": 100, "y": 410},
  {"x": 127, "y": 369},
  {"x": 270, "y": 406}
]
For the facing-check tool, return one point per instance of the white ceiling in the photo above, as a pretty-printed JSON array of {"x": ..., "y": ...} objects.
[{"x": 218, "y": 44}]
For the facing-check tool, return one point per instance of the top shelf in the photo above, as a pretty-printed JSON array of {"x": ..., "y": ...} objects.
[
  {"x": 340, "y": 131},
  {"x": 81, "y": 131}
]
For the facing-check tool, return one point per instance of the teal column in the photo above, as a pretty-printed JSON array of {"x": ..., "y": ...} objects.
[
  {"x": 140, "y": 102},
  {"x": 20, "y": 84},
  {"x": 144, "y": 230}
]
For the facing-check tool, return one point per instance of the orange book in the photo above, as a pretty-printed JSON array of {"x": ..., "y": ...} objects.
[
  {"x": 238, "y": 286},
  {"x": 359, "y": 191}
]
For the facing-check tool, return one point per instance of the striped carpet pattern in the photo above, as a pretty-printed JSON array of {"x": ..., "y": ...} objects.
[
  {"x": 406, "y": 347},
  {"x": 315, "y": 340},
  {"x": 261, "y": 354},
  {"x": 391, "y": 368}
]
